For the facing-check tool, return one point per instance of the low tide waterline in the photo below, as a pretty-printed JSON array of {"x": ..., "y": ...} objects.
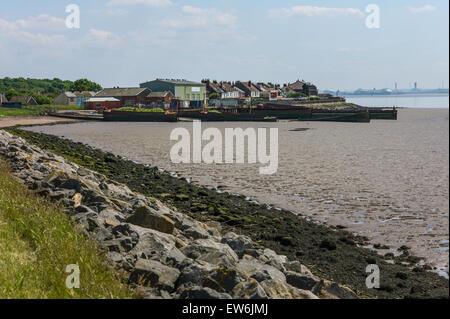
[{"x": 387, "y": 180}]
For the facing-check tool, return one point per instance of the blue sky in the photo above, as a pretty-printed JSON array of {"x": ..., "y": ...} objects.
[{"x": 125, "y": 42}]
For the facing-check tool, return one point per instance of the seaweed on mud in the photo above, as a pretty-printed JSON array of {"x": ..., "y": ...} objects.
[{"x": 332, "y": 253}]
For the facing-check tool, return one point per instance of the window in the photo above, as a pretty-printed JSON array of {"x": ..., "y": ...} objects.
[{"x": 188, "y": 96}]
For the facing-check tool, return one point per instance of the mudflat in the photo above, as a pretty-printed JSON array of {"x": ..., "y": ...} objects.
[{"x": 330, "y": 252}]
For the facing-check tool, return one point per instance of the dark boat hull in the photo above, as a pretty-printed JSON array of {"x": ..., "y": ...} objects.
[
  {"x": 383, "y": 114},
  {"x": 227, "y": 117},
  {"x": 118, "y": 116},
  {"x": 357, "y": 117}
]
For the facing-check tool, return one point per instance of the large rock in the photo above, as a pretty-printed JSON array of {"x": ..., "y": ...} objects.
[
  {"x": 202, "y": 293},
  {"x": 273, "y": 259},
  {"x": 279, "y": 290},
  {"x": 211, "y": 251},
  {"x": 301, "y": 281},
  {"x": 148, "y": 218},
  {"x": 154, "y": 274},
  {"x": 195, "y": 273},
  {"x": 330, "y": 290},
  {"x": 79, "y": 184},
  {"x": 227, "y": 278},
  {"x": 116, "y": 190},
  {"x": 238, "y": 243},
  {"x": 157, "y": 246},
  {"x": 197, "y": 232},
  {"x": 260, "y": 272},
  {"x": 249, "y": 290}
]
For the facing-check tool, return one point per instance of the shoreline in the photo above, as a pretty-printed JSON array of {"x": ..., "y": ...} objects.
[
  {"x": 159, "y": 252},
  {"x": 330, "y": 252},
  {"x": 15, "y": 121}
]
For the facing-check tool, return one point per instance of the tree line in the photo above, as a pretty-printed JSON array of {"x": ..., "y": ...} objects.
[{"x": 44, "y": 90}]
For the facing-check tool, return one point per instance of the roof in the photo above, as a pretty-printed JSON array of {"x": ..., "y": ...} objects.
[
  {"x": 69, "y": 94},
  {"x": 297, "y": 85},
  {"x": 120, "y": 92},
  {"x": 180, "y": 82},
  {"x": 85, "y": 94},
  {"x": 215, "y": 87},
  {"x": 102, "y": 99},
  {"x": 250, "y": 87},
  {"x": 159, "y": 94},
  {"x": 227, "y": 87}
]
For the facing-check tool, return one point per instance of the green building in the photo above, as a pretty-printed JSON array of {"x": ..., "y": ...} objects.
[{"x": 191, "y": 94}]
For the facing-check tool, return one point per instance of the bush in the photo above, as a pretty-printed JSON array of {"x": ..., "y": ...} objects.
[
  {"x": 294, "y": 95},
  {"x": 42, "y": 99},
  {"x": 214, "y": 96}
]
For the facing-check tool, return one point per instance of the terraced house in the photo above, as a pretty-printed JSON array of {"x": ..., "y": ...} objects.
[{"x": 191, "y": 94}]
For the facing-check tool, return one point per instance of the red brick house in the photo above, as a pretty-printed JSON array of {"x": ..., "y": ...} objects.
[
  {"x": 127, "y": 96},
  {"x": 159, "y": 99},
  {"x": 303, "y": 87},
  {"x": 102, "y": 103}
]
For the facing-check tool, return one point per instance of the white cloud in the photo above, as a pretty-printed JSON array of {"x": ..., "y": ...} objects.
[
  {"x": 425, "y": 8},
  {"x": 199, "y": 17},
  {"x": 151, "y": 3},
  {"x": 102, "y": 38},
  {"x": 40, "y": 22},
  {"x": 43, "y": 21},
  {"x": 311, "y": 11},
  {"x": 31, "y": 30}
]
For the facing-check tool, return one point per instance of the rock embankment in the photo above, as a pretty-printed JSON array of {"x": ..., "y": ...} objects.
[{"x": 162, "y": 252}]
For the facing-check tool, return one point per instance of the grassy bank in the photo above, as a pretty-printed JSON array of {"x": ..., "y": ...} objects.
[
  {"x": 37, "y": 242},
  {"x": 334, "y": 254},
  {"x": 35, "y": 110}
]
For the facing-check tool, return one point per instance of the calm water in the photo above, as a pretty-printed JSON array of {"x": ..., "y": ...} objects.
[
  {"x": 387, "y": 180},
  {"x": 405, "y": 100}
]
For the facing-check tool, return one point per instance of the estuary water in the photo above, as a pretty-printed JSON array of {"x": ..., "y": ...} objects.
[
  {"x": 387, "y": 180},
  {"x": 402, "y": 100}
]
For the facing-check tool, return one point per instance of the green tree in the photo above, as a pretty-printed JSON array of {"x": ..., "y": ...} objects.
[
  {"x": 42, "y": 99},
  {"x": 11, "y": 93},
  {"x": 214, "y": 96},
  {"x": 85, "y": 85}
]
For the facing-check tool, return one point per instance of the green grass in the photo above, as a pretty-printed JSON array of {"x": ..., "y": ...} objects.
[
  {"x": 38, "y": 241},
  {"x": 135, "y": 109},
  {"x": 36, "y": 110}
]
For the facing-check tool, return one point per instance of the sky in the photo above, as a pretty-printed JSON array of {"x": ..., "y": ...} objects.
[{"x": 127, "y": 42}]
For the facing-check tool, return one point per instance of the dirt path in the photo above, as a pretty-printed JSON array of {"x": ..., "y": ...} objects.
[{"x": 31, "y": 120}]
